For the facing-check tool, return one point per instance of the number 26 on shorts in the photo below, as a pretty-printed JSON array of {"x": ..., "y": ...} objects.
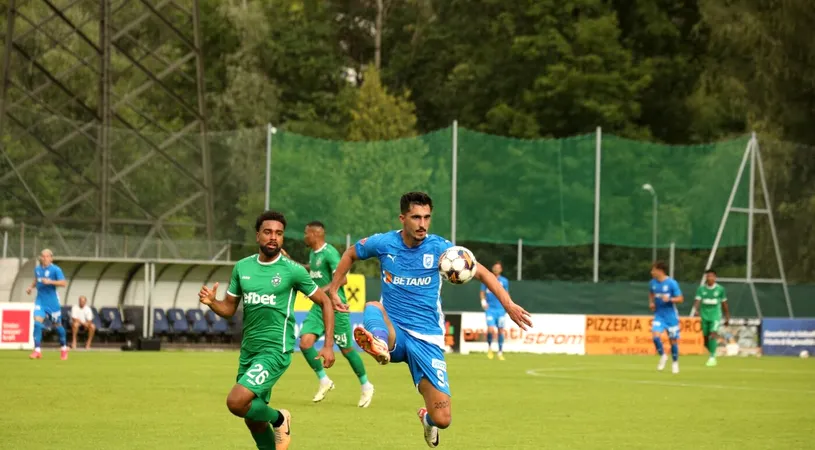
[{"x": 257, "y": 375}]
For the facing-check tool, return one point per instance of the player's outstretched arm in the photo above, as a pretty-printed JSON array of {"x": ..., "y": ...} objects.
[
  {"x": 225, "y": 308},
  {"x": 340, "y": 274},
  {"x": 327, "y": 352},
  {"x": 518, "y": 315}
]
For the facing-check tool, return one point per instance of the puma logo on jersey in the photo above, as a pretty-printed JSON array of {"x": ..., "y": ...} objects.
[{"x": 253, "y": 298}]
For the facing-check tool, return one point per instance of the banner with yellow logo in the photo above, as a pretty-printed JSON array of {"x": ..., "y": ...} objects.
[{"x": 354, "y": 292}]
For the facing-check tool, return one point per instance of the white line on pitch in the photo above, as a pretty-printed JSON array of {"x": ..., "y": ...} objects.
[{"x": 544, "y": 373}]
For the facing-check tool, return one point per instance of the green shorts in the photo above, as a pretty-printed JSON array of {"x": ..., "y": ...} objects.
[
  {"x": 260, "y": 371},
  {"x": 343, "y": 336},
  {"x": 710, "y": 326}
]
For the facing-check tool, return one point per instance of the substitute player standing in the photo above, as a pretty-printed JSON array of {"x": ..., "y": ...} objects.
[
  {"x": 496, "y": 315},
  {"x": 266, "y": 283},
  {"x": 711, "y": 299},
  {"x": 47, "y": 278},
  {"x": 322, "y": 262},
  {"x": 407, "y": 324},
  {"x": 662, "y": 299}
]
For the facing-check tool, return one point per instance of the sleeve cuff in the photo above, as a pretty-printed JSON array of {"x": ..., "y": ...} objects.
[
  {"x": 229, "y": 293},
  {"x": 316, "y": 288}
]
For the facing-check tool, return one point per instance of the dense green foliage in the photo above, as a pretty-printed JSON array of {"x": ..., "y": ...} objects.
[{"x": 668, "y": 71}]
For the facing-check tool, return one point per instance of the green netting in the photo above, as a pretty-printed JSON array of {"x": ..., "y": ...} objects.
[
  {"x": 541, "y": 191},
  {"x": 354, "y": 187}
]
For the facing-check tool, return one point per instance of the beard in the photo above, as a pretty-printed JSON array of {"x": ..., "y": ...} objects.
[{"x": 269, "y": 252}]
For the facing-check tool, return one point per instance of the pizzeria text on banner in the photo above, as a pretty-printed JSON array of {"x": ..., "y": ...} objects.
[
  {"x": 631, "y": 335},
  {"x": 551, "y": 333}
]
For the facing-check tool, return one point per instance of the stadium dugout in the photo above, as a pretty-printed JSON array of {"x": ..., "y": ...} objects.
[{"x": 140, "y": 297}]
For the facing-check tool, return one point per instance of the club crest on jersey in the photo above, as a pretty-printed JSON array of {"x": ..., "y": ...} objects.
[
  {"x": 427, "y": 261},
  {"x": 664, "y": 288},
  {"x": 276, "y": 280},
  {"x": 318, "y": 261}
]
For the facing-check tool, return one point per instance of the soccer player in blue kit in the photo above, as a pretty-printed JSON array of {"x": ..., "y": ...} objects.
[
  {"x": 47, "y": 278},
  {"x": 664, "y": 294},
  {"x": 407, "y": 324},
  {"x": 496, "y": 315}
]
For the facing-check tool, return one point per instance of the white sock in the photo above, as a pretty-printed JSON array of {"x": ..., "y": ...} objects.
[
  {"x": 37, "y": 349},
  {"x": 367, "y": 386},
  {"x": 64, "y": 347},
  {"x": 325, "y": 380}
]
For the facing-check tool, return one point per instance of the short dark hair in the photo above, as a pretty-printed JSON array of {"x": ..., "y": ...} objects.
[
  {"x": 498, "y": 262},
  {"x": 414, "y": 198},
  {"x": 661, "y": 266},
  {"x": 270, "y": 215},
  {"x": 710, "y": 271},
  {"x": 316, "y": 224}
]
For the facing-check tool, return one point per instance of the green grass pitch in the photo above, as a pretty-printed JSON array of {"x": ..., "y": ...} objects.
[{"x": 176, "y": 400}]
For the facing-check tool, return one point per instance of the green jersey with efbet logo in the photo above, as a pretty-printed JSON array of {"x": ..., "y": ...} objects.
[
  {"x": 711, "y": 299},
  {"x": 323, "y": 263},
  {"x": 267, "y": 291}
]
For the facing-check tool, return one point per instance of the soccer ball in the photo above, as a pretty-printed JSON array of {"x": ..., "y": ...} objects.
[
  {"x": 457, "y": 265},
  {"x": 804, "y": 354}
]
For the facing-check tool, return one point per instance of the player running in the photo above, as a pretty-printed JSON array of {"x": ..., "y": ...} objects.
[
  {"x": 266, "y": 283},
  {"x": 322, "y": 262},
  {"x": 711, "y": 299},
  {"x": 47, "y": 278},
  {"x": 662, "y": 299},
  {"x": 496, "y": 315},
  {"x": 407, "y": 324}
]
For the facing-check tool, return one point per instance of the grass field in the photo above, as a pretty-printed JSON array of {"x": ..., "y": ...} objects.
[{"x": 176, "y": 400}]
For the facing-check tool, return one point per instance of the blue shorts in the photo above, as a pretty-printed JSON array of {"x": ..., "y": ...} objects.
[
  {"x": 424, "y": 360},
  {"x": 54, "y": 314},
  {"x": 669, "y": 324},
  {"x": 496, "y": 318}
]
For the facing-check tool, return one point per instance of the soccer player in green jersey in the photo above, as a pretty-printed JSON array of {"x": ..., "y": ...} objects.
[
  {"x": 322, "y": 262},
  {"x": 266, "y": 283},
  {"x": 711, "y": 299}
]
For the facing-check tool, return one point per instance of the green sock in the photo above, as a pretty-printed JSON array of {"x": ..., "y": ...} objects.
[
  {"x": 356, "y": 364},
  {"x": 713, "y": 344},
  {"x": 265, "y": 439},
  {"x": 316, "y": 364},
  {"x": 259, "y": 411}
]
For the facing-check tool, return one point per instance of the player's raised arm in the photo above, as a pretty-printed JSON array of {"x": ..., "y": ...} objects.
[
  {"x": 225, "y": 308},
  {"x": 229, "y": 305},
  {"x": 518, "y": 315}
]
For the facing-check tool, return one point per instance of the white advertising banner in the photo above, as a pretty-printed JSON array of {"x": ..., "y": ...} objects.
[
  {"x": 16, "y": 326},
  {"x": 551, "y": 333}
]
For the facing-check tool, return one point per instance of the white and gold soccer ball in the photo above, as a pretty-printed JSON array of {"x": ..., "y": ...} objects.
[
  {"x": 457, "y": 265},
  {"x": 804, "y": 354}
]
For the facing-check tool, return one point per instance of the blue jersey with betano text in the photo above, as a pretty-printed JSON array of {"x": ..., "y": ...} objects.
[
  {"x": 411, "y": 283},
  {"x": 493, "y": 304},
  {"x": 663, "y": 291},
  {"x": 47, "y": 296}
]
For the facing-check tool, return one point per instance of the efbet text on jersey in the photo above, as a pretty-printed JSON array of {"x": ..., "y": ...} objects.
[{"x": 253, "y": 298}]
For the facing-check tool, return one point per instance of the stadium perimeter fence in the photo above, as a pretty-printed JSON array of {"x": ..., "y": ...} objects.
[{"x": 520, "y": 199}]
